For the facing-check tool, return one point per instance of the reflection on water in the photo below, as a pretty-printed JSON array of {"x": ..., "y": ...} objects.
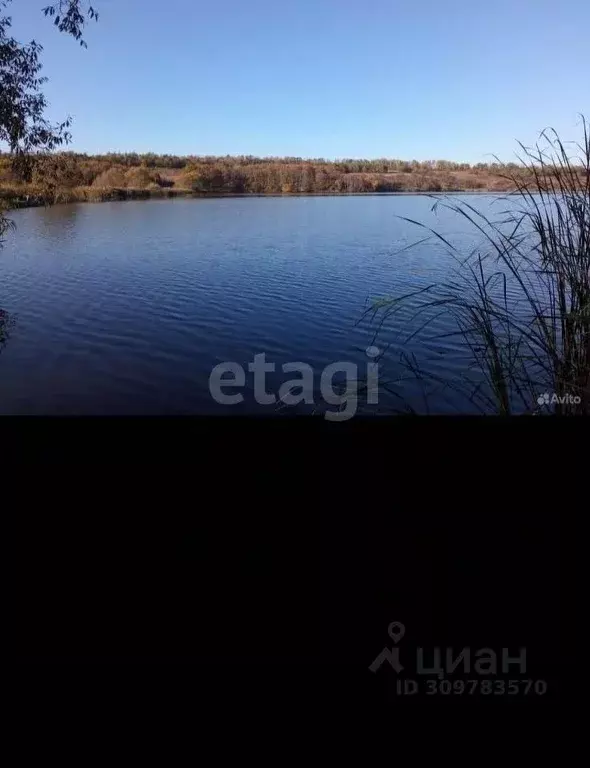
[{"x": 58, "y": 215}]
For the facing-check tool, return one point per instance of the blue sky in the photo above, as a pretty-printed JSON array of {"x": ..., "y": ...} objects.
[{"x": 423, "y": 79}]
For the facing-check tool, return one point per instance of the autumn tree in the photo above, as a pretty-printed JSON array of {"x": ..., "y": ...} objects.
[{"x": 53, "y": 172}]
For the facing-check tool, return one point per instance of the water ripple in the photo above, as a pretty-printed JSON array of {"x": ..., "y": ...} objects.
[{"x": 126, "y": 307}]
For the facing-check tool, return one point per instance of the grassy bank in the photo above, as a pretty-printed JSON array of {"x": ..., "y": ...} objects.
[{"x": 29, "y": 196}]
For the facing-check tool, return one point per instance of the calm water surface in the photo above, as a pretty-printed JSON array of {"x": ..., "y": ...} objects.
[{"x": 124, "y": 308}]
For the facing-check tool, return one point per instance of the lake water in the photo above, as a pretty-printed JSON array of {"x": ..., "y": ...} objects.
[{"x": 125, "y": 308}]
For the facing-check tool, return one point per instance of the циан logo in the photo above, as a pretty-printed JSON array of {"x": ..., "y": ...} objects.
[{"x": 434, "y": 669}]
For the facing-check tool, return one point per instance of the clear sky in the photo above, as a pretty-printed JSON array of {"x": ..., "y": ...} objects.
[{"x": 423, "y": 79}]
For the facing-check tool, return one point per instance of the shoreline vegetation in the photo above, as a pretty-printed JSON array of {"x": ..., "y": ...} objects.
[
  {"x": 68, "y": 177},
  {"x": 521, "y": 300}
]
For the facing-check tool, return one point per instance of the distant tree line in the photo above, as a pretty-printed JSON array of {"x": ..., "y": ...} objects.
[
  {"x": 70, "y": 176},
  {"x": 346, "y": 165}
]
